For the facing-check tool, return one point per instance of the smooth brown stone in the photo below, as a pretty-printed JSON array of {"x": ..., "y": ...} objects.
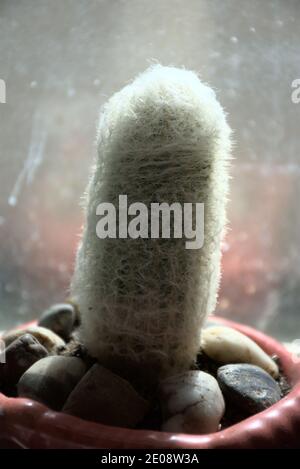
[
  {"x": 101, "y": 396},
  {"x": 19, "y": 356},
  {"x": 59, "y": 318},
  {"x": 51, "y": 341},
  {"x": 51, "y": 380}
]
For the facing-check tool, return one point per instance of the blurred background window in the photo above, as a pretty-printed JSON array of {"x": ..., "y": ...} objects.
[{"x": 61, "y": 60}]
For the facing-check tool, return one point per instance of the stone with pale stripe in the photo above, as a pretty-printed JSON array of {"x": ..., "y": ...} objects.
[{"x": 226, "y": 345}]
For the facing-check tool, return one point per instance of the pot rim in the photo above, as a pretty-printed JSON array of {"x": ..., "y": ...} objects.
[{"x": 33, "y": 425}]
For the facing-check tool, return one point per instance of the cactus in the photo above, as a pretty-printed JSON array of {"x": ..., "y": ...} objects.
[{"x": 162, "y": 138}]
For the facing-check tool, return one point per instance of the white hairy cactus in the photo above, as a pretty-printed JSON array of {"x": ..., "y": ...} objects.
[{"x": 163, "y": 138}]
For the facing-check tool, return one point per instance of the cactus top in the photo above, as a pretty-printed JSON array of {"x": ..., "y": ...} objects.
[{"x": 162, "y": 138}]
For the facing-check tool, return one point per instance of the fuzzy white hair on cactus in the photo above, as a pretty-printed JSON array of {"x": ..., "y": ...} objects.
[{"x": 162, "y": 138}]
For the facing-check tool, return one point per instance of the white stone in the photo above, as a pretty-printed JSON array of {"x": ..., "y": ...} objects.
[
  {"x": 226, "y": 345},
  {"x": 47, "y": 338},
  {"x": 192, "y": 402}
]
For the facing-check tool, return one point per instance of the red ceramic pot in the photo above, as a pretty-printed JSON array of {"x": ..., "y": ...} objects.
[{"x": 29, "y": 424}]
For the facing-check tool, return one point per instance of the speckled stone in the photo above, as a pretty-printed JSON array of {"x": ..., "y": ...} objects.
[
  {"x": 248, "y": 387},
  {"x": 20, "y": 355},
  {"x": 51, "y": 341},
  {"x": 101, "y": 396},
  {"x": 226, "y": 345},
  {"x": 51, "y": 380},
  {"x": 192, "y": 402},
  {"x": 60, "y": 318}
]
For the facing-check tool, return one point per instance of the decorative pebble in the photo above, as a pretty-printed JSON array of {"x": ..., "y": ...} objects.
[
  {"x": 60, "y": 318},
  {"x": 51, "y": 341},
  {"x": 248, "y": 387},
  {"x": 192, "y": 402},
  {"x": 51, "y": 380},
  {"x": 101, "y": 396},
  {"x": 226, "y": 345},
  {"x": 19, "y": 356}
]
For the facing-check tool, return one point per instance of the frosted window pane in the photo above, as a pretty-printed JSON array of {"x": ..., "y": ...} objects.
[{"x": 61, "y": 60}]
